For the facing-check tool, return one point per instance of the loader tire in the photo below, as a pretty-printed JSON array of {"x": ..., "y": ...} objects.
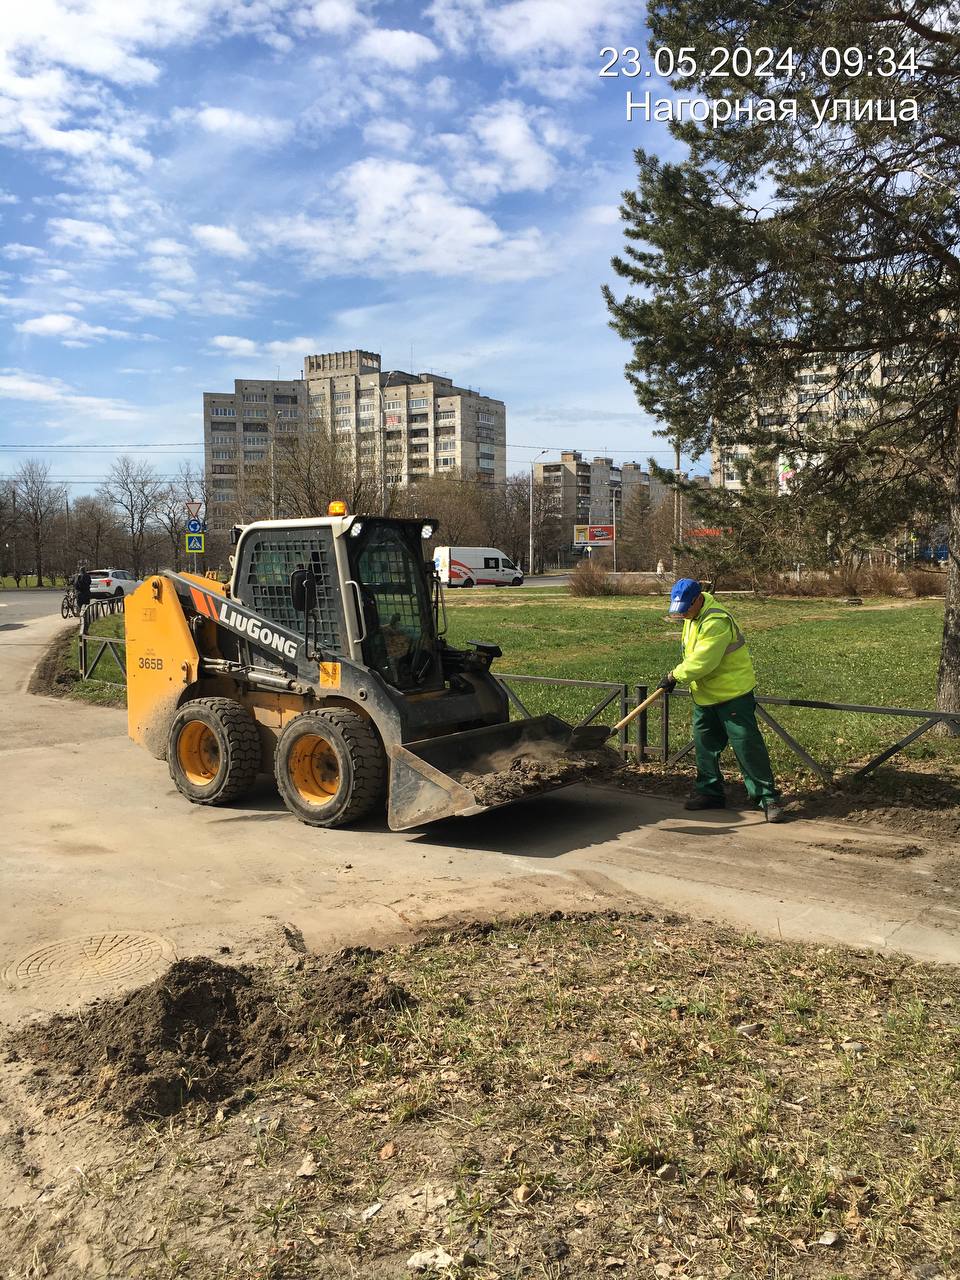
[
  {"x": 331, "y": 768},
  {"x": 213, "y": 750}
]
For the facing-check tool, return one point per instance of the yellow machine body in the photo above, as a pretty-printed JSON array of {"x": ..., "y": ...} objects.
[{"x": 162, "y": 658}]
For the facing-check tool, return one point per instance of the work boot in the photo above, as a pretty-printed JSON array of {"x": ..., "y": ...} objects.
[
  {"x": 699, "y": 801},
  {"x": 773, "y": 812}
]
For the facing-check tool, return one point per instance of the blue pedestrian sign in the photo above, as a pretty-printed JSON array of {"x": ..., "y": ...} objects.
[
  {"x": 194, "y": 526},
  {"x": 195, "y": 543}
]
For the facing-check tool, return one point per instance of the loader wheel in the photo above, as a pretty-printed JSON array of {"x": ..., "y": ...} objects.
[
  {"x": 213, "y": 750},
  {"x": 330, "y": 767}
]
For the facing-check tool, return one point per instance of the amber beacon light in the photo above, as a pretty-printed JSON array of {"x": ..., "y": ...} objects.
[{"x": 337, "y": 508}]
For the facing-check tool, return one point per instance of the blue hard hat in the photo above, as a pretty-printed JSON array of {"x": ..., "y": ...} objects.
[{"x": 683, "y": 593}]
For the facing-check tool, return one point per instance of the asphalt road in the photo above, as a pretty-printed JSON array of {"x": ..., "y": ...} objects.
[
  {"x": 100, "y": 857},
  {"x": 22, "y": 606}
]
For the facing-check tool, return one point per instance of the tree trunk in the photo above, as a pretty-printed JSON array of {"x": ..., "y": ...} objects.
[
  {"x": 38, "y": 560},
  {"x": 948, "y": 676}
]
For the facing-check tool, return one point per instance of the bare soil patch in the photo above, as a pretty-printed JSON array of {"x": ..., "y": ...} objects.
[
  {"x": 53, "y": 676},
  {"x": 563, "y": 1097}
]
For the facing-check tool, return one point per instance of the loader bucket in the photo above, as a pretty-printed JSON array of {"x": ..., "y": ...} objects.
[{"x": 461, "y": 774}]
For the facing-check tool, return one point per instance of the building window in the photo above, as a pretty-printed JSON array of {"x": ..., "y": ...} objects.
[
  {"x": 344, "y": 411},
  {"x": 284, "y": 399},
  {"x": 446, "y": 415},
  {"x": 420, "y": 433},
  {"x": 366, "y": 420},
  {"x": 446, "y": 446},
  {"x": 485, "y": 417},
  {"x": 254, "y": 440},
  {"x": 223, "y": 411},
  {"x": 253, "y": 455},
  {"x": 420, "y": 402},
  {"x": 342, "y": 395},
  {"x": 222, "y": 455},
  {"x": 445, "y": 462},
  {"x": 254, "y": 397},
  {"x": 419, "y": 448},
  {"x": 224, "y": 471},
  {"x": 395, "y": 404}
]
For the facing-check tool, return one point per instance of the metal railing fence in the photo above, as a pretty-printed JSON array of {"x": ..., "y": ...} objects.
[{"x": 620, "y": 692}]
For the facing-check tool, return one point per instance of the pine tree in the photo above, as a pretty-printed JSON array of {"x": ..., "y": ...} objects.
[{"x": 826, "y": 239}]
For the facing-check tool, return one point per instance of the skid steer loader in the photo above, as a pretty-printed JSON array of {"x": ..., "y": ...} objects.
[{"x": 324, "y": 662}]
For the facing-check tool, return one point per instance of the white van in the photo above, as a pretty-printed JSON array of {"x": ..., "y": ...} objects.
[{"x": 475, "y": 567}]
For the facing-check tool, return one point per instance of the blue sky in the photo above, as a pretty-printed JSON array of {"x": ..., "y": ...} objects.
[{"x": 197, "y": 190}]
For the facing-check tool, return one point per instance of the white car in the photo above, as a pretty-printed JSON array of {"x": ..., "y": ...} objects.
[{"x": 111, "y": 582}]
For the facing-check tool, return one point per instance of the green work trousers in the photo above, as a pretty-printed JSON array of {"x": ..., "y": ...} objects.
[{"x": 733, "y": 722}]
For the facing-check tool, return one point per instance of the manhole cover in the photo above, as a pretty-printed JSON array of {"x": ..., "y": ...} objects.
[{"x": 92, "y": 959}]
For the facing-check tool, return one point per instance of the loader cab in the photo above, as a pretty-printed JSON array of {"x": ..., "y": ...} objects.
[
  {"x": 393, "y": 585},
  {"x": 373, "y": 591}
]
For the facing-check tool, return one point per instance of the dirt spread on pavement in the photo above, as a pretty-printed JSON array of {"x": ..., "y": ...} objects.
[
  {"x": 525, "y": 770},
  {"x": 199, "y": 1033}
]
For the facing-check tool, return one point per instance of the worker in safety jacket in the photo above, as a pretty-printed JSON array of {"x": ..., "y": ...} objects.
[{"x": 717, "y": 667}]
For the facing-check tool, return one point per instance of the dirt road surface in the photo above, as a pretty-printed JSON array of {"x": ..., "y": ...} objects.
[{"x": 107, "y": 873}]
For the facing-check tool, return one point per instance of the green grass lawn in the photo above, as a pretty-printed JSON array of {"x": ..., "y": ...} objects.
[
  {"x": 883, "y": 654},
  {"x": 107, "y": 686}
]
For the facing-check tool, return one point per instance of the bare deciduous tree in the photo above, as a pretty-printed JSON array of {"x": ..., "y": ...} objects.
[
  {"x": 40, "y": 502},
  {"x": 135, "y": 490}
]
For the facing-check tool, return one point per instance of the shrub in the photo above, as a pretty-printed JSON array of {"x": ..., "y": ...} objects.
[
  {"x": 881, "y": 580},
  {"x": 926, "y": 582},
  {"x": 589, "y": 579}
]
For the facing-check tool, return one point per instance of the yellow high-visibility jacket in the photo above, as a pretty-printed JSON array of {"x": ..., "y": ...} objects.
[{"x": 716, "y": 661}]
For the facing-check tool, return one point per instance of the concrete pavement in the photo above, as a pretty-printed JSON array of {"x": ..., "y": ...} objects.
[{"x": 100, "y": 857}]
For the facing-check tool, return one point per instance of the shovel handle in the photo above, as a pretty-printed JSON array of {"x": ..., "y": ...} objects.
[{"x": 622, "y": 724}]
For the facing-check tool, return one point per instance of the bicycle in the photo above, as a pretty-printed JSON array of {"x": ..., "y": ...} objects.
[{"x": 68, "y": 605}]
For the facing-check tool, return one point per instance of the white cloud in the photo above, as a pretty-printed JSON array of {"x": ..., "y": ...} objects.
[
  {"x": 237, "y": 127},
  {"x": 405, "y": 50},
  {"x": 602, "y": 215},
  {"x": 392, "y": 134},
  {"x": 79, "y": 233},
  {"x": 551, "y": 43},
  {"x": 68, "y": 329},
  {"x": 233, "y": 346},
  {"x": 398, "y": 218},
  {"x": 507, "y": 147},
  {"x": 176, "y": 270},
  {"x": 285, "y": 349},
  {"x": 222, "y": 240},
  {"x": 7, "y": 197},
  {"x": 332, "y": 17},
  {"x": 166, "y": 247},
  {"x": 15, "y": 384},
  {"x": 17, "y": 251}
]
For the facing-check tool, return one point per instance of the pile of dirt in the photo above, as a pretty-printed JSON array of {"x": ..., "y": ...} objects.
[
  {"x": 200, "y": 1033},
  {"x": 528, "y": 772}
]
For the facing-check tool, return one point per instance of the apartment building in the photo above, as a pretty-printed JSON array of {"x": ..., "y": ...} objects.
[
  {"x": 821, "y": 402},
  {"x": 582, "y": 492},
  {"x": 239, "y": 430},
  {"x": 429, "y": 425}
]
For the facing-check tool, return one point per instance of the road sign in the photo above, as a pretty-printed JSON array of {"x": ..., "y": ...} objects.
[
  {"x": 195, "y": 543},
  {"x": 194, "y": 526},
  {"x": 593, "y": 535},
  {"x": 193, "y": 509}
]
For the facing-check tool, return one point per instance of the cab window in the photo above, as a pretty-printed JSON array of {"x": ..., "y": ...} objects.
[{"x": 491, "y": 562}]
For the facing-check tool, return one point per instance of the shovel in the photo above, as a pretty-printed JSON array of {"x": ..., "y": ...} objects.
[{"x": 595, "y": 735}]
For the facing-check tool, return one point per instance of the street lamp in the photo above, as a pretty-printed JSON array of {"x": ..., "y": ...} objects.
[
  {"x": 383, "y": 440},
  {"x": 532, "y": 461}
]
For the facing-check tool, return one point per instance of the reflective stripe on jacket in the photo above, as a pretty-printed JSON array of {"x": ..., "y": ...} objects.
[{"x": 716, "y": 661}]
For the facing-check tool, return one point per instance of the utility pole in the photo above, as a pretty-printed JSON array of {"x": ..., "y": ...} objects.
[
  {"x": 532, "y": 461},
  {"x": 677, "y": 506}
]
